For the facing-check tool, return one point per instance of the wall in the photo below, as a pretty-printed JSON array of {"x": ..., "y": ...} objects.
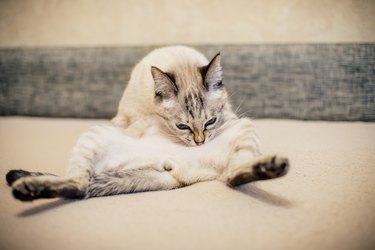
[{"x": 42, "y": 23}]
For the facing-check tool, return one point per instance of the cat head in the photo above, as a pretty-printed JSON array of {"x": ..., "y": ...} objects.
[{"x": 191, "y": 101}]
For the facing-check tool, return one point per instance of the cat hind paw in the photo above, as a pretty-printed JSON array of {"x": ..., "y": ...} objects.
[
  {"x": 26, "y": 190},
  {"x": 14, "y": 175},
  {"x": 268, "y": 167},
  {"x": 271, "y": 167}
]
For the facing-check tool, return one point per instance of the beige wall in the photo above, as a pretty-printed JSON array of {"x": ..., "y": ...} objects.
[{"x": 140, "y": 22}]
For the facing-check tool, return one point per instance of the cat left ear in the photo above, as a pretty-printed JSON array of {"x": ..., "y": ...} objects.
[
  {"x": 212, "y": 74},
  {"x": 165, "y": 87}
]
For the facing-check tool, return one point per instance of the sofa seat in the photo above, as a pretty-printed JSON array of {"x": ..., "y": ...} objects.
[{"x": 326, "y": 201}]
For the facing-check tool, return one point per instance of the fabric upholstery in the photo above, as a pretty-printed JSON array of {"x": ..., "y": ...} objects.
[
  {"x": 308, "y": 82},
  {"x": 326, "y": 201}
]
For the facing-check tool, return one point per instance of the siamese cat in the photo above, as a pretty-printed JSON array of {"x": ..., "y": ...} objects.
[{"x": 174, "y": 127}]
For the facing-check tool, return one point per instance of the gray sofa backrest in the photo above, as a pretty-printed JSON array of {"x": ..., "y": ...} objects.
[{"x": 309, "y": 82}]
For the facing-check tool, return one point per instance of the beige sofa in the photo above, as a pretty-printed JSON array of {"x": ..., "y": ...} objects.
[{"x": 326, "y": 201}]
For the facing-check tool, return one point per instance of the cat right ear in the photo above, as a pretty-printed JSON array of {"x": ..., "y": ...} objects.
[
  {"x": 212, "y": 74},
  {"x": 165, "y": 87}
]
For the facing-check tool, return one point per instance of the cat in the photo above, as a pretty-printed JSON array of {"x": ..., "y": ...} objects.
[
  {"x": 108, "y": 161},
  {"x": 182, "y": 88},
  {"x": 180, "y": 131}
]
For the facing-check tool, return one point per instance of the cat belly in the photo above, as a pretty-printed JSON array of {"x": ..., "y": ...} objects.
[{"x": 123, "y": 151}]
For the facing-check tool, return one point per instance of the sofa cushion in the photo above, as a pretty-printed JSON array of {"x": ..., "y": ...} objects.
[
  {"x": 326, "y": 201},
  {"x": 308, "y": 82}
]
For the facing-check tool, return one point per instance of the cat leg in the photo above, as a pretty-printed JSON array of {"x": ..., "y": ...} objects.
[
  {"x": 16, "y": 174},
  {"x": 263, "y": 168},
  {"x": 76, "y": 181},
  {"x": 151, "y": 176},
  {"x": 36, "y": 187},
  {"x": 245, "y": 163},
  {"x": 74, "y": 185}
]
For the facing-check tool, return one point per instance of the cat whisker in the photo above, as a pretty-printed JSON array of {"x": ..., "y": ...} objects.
[
  {"x": 244, "y": 114},
  {"x": 233, "y": 93},
  {"x": 239, "y": 106}
]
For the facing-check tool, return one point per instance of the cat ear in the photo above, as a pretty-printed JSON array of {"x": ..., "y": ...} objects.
[
  {"x": 212, "y": 74},
  {"x": 165, "y": 87}
]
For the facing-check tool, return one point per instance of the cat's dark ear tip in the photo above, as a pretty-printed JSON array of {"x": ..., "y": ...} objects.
[{"x": 216, "y": 58}]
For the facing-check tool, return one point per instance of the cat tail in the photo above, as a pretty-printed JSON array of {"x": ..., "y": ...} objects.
[{"x": 15, "y": 174}]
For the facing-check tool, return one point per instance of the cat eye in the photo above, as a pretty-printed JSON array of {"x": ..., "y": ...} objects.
[
  {"x": 182, "y": 126},
  {"x": 210, "y": 122}
]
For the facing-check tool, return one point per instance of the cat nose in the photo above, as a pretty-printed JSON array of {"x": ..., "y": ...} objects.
[{"x": 199, "y": 139}]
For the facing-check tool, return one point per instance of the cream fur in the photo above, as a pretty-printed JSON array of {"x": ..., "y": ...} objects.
[
  {"x": 137, "y": 100},
  {"x": 146, "y": 150},
  {"x": 192, "y": 99}
]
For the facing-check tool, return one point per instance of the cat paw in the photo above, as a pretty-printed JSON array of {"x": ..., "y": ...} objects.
[
  {"x": 14, "y": 175},
  {"x": 26, "y": 189},
  {"x": 268, "y": 167}
]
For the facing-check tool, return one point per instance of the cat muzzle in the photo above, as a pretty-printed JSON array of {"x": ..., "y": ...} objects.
[{"x": 199, "y": 139}]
